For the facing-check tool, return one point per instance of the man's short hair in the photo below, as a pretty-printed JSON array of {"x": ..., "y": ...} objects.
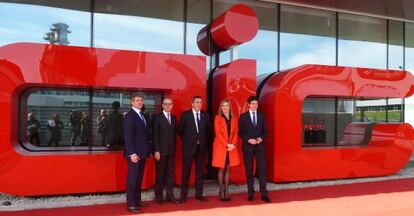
[
  {"x": 252, "y": 98},
  {"x": 137, "y": 94},
  {"x": 116, "y": 105},
  {"x": 196, "y": 97}
]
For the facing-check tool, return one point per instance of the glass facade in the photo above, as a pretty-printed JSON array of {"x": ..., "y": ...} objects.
[{"x": 288, "y": 36}]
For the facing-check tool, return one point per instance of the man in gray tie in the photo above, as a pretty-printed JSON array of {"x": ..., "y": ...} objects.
[{"x": 164, "y": 136}]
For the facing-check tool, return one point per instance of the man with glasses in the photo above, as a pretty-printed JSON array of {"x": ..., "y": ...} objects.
[{"x": 164, "y": 135}]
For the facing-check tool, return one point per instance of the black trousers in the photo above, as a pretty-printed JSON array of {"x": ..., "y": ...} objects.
[
  {"x": 164, "y": 176},
  {"x": 199, "y": 166},
  {"x": 34, "y": 139},
  {"x": 249, "y": 153},
  {"x": 134, "y": 180}
]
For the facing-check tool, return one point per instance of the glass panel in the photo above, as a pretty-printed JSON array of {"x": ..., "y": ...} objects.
[
  {"x": 61, "y": 118},
  {"x": 395, "y": 46},
  {"x": 41, "y": 24},
  {"x": 147, "y": 25},
  {"x": 409, "y": 66},
  {"x": 56, "y": 117},
  {"x": 198, "y": 16},
  {"x": 109, "y": 107},
  {"x": 356, "y": 118},
  {"x": 318, "y": 122},
  {"x": 263, "y": 47},
  {"x": 307, "y": 37},
  {"x": 371, "y": 110},
  {"x": 395, "y": 110},
  {"x": 362, "y": 41}
]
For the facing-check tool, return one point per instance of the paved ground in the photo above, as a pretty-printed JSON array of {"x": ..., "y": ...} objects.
[{"x": 381, "y": 198}]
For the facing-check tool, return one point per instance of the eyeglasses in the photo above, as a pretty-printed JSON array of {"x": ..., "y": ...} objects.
[{"x": 168, "y": 104}]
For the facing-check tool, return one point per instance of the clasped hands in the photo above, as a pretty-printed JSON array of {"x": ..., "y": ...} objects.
[
  {"x": 230, "y": 146},
  {"x": 255, "y": 141}
]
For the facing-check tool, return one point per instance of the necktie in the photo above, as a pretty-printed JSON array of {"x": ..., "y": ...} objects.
[
  {"x": 198, "y": 122},
  {"x": 254, "y": 119},
  {"x": 169, "y": 118},
  {"x": 142, "y": 117}
]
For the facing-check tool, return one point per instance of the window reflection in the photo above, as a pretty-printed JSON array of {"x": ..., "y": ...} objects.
[
  {"x": 307, "y": 37},
  {"x": 146, "y": 26},
  {"x": 409, "y": 66},
  {"x": 77, "y": 119},
  {"x": 345, "y": 121},
  {"x": 263, "y": 47},
  {"x": 362, "y": 41},
  {"x": 42, "y": 24},
  {"x": 318, "y": 122},
  {"x": 395, "y": 46}
]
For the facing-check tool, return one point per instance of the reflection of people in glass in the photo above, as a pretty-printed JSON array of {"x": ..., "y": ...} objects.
[
  {"x": 55, "y": 127},
  {"x": 32, "y": 130},
  {"x": 75, "y": 124},
  {"x": 85, "y": 126},
  {"x": 225, "y": 152},
  {"x": 102, "y": 129},
  {"x": 115, "y": 119}
]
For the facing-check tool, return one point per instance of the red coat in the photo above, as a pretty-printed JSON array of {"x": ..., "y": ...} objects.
[{"x": 221, "y": 140}]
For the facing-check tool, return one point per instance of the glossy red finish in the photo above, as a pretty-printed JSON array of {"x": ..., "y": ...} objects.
[
  {"x": 235, "y": 81},
  {"x": 237, "y": 25},
  {"x": 388, "y": 150},
  {"x": 23, "y": 65}
]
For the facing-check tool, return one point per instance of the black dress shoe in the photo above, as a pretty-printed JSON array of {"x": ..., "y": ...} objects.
[
  {"x": 201, "y": 198},
  {"x": 266, "y": 199},
  {"x": 173, "y": 200},
  {"x": 183, "y": 199},
  {"x": 133, "y": 210},
  {"x": 142, "y": 205},
  {"x": 250, "y": 198},
  {"x": 158, "y": 200}
]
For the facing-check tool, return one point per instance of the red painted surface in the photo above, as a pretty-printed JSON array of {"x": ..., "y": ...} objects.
[
  {"x": 281, "y": 100},
  {"x": 24, "y": 65},
  {"x": 237, "y": 25},
  {"x": 235, "y": 81}
]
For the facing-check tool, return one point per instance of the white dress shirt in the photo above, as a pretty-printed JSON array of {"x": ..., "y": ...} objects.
[{"x": 195, "y": 118}]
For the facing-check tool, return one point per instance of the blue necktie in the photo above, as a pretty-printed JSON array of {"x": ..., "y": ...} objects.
[
  {"x": 198, "y": 122},
  {"x": 254, "y": 119},
  {"x": 142, "y": 117}
]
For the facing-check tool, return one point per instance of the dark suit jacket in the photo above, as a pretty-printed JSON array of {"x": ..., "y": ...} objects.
[
  {"x": 188, "y": 131},
  {"x": 248, "y": 131},
  {"x": 136, "y": 135},
  {"x": 114, "y": 128},
  {"x": 164, "y": 134}
]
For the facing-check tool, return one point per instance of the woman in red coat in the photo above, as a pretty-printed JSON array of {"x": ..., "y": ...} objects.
[{"x": 225, "y": 153}]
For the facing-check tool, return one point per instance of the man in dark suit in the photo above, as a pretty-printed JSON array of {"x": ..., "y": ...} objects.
[
  {"x": 195, "y": 130},
  {"x": 164, "y": 135},
  {"x": 115, "y": 136},
  {"x": 252, "y": 130},
  {"x": 136, "y": 150}
]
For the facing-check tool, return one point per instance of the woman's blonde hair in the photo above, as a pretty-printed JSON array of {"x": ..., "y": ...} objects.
[{"x": 220, "y": 112}]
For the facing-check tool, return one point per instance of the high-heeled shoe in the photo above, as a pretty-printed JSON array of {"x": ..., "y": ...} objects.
[
  {"x": 222, "y": 195},
  {"x": 226, "y": 194}
]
